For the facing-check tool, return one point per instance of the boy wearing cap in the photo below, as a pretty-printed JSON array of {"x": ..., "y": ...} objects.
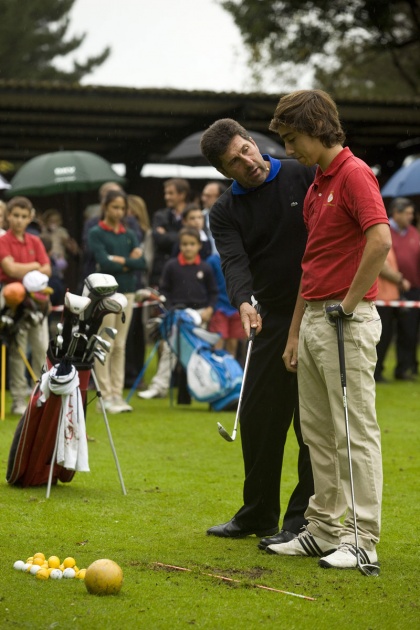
[{"x": 21, "y": 253}]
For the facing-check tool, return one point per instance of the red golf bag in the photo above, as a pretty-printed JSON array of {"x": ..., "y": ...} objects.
[{"x": 35, "y": 437}]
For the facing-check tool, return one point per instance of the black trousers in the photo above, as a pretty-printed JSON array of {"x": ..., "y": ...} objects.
[{"x": 269, "y": 404}]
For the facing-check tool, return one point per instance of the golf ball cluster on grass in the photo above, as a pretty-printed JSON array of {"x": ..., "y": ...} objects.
[
  {"x": 51, "y": 568},
  {"x": 102, "y": 577}
]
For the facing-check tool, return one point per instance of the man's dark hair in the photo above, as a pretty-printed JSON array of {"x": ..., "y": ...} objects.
[
  {"x": 399, "y": 204},
  {"x": 181, "y": 185},
  {"x": 216, "y": 139},
  {"x": 20, "y": 202}
]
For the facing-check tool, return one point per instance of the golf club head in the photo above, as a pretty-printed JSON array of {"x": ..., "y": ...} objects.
[
  {"x": 76, "y": 304},
  {"x": 105, "y": 345},
  {"x": 224, "y": 433},
  {"x": 370, "y": 570},
  {"x": 99, "y": 285},
  {"x": 100, "y": 355},
  {"x": 111, "y": 332},
  {"x": 149, "y": 294}
]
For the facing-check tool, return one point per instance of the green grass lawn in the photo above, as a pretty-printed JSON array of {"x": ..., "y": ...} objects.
[{"x": 182, "y": 477}]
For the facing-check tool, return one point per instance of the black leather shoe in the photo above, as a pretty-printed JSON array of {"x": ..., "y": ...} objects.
[
  {"x": 282, "y": 537},
  {"x": 231, "y": 529}
]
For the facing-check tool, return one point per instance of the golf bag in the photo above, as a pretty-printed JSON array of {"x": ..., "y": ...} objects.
[
  {"x": 50, "y": 441},
  {"x": 31, "y": 452},
  {"x": 213, "y": 376}
]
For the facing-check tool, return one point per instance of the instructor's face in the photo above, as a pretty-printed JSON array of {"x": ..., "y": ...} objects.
[{"x": 243, "y": 161}]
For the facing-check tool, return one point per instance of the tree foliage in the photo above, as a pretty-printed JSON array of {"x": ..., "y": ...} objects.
[
  {"x": 33, "y": 35},
  {"x": 355, "y": 47}
]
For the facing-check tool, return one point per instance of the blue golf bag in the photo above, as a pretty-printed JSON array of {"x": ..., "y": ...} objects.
[{"x": 213, "y": 376}]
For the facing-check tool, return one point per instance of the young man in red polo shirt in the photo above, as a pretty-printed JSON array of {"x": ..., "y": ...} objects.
[
  {"x": 20, "y": 253},
  {"x": 348, "y": 241}
]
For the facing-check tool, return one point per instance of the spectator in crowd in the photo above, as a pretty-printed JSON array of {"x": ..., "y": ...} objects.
[
  {"x": 406, "y": 245},
  {"x": 187, "y": 281},
  {"x": 193, "y": 216},
  {"x": 117, "y": 252},
  {"x": 135, "y": 344},
  {"x": 21, "y": 252},
  {"x": 62, "y": 244},
  {"x": 2, "y": 217},
  {"x": 225, "y": 320},
  {"x": 391, "y": 283},
  {"x": 166, "y": 224},
  {"x": 209, "y": 195}
]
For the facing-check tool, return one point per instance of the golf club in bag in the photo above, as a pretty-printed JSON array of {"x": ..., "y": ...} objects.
[
  {"x": 50, "y": 441},
  {"x": 222, "y": 430},
  {"x": 365, "y": 569}
]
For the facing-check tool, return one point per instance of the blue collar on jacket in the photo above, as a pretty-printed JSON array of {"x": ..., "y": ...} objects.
[{"x": 275, "y": 166}]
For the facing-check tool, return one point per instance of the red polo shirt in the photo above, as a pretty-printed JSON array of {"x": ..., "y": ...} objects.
[
  {"x": 31, "y": 249},
  {"x": 341, "y": 204}
]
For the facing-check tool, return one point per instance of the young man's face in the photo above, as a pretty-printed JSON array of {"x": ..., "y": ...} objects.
[
  {"x": 115, "y": 211},
  {"x": 189, "y": 246},
  {"x": 19, "y": 219},
  {"x": 172, "y": 197},
  {"x": 243, "y": 161},
  {"x": 303, "y": 148},
  {"x": 195, "y": 219}
]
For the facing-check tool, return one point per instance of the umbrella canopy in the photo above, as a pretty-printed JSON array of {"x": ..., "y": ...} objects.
[
  {"x": 405, "y": 182},
  {"x": 4, "y": 184},
  {"x": 188, "y": 150},
  {"x": 61, "y": 172}
]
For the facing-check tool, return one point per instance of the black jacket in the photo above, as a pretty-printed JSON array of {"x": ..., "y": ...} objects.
[{"x": 261, "y": 238}]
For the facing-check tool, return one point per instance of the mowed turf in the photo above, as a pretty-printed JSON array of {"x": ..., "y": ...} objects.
[{"x": 182, "y": 477}]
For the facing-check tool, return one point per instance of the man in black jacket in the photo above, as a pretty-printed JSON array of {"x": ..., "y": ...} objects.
[
  {"x": 166, "y": 224},
  {"x": 260, "y": 235}
]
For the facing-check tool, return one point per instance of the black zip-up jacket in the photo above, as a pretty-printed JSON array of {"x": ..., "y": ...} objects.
[{"x": 261, "y": 238}]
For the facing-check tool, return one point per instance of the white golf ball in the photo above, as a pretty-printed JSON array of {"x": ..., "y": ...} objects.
[
  {"x": 19, "y": 564},
  {"x": 56, "y": 574},
  {"x": 34, "y": 569},
  {"x": 26, "y": 566},
  {"x": 69, "y": 573}
]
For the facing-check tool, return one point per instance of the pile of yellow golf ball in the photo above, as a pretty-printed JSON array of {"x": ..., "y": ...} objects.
[{"x": 51, "y": 568}]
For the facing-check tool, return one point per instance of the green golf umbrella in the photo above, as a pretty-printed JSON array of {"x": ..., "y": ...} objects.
[{"x": 62, "y": 172}]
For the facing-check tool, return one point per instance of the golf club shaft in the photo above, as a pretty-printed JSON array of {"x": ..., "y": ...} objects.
[
  {"x": 343, "y": 377},
  {"x": 247, "y": 358}
]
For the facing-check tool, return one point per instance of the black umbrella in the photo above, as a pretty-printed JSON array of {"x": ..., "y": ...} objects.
[
  {"x": 188, "y": 150},
  {"x": 62, "y": 172}
]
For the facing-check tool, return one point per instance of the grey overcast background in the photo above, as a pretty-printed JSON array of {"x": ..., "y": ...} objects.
[{"x": 183, "y": 44}]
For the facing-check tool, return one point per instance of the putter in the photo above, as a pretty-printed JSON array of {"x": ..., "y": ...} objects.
[
  {"x": 365, "y": 569},
  {"x": 222, "y": 430}
]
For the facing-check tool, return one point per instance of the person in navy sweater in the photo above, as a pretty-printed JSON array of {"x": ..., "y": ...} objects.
[{"x": 186, "y": 282}]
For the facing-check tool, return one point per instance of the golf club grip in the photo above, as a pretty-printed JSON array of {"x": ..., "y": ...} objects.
[
  {"x": 253, "y": 331},
  {"x": 341, "y": 356}
]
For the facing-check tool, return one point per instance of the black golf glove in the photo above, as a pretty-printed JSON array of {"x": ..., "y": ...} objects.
[{"x": 333, "y": 311}]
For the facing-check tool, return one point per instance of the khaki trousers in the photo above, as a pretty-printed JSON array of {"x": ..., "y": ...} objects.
[
  {"x": 111, "y": 375},
  {"x": 37, "y": 339},
  {"x": 323, "y": 425}
]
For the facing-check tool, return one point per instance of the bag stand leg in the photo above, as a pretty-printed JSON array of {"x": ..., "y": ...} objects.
[
  {"x": 54, "y": 456},
  {"x": 114, "y": 452}
]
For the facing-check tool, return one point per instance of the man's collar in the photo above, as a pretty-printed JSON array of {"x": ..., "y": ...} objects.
[{"x": 275, "y": 166}]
